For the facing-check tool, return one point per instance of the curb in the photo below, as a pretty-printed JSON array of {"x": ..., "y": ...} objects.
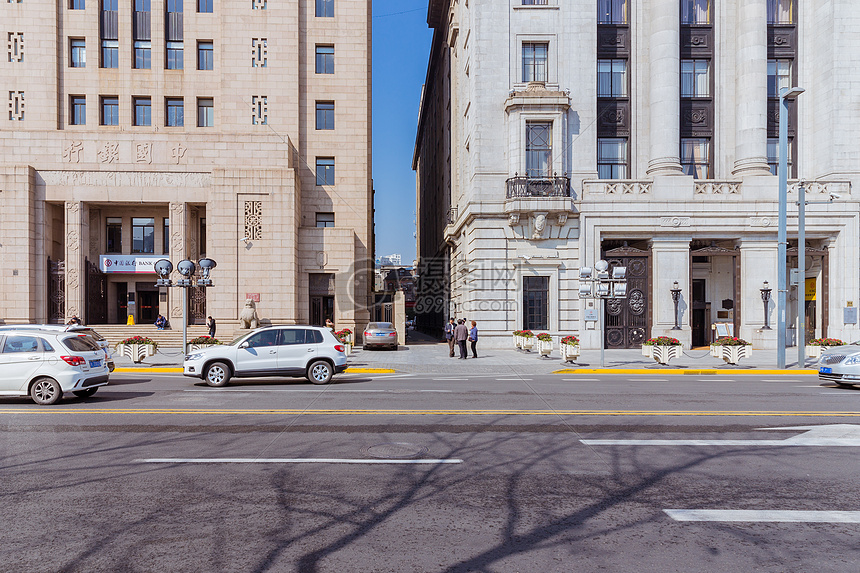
[
  {"x": 689, "y": 372},
  {"x": 176, "y": 370}
]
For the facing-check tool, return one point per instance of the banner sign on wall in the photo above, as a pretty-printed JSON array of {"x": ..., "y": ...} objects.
[{"x": 134, "y": 264}]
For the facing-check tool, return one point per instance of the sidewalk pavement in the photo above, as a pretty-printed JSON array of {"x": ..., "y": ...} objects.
[{"x": 425, "y": 355}]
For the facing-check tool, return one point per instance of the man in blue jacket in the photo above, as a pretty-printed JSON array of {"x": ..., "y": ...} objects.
[{"x": 449, "y": 336}]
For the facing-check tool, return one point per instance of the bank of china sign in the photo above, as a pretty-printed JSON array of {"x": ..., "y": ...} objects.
[{"x": 134, "y": 264}]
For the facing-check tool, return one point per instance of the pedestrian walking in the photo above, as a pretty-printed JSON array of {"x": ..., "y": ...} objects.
[
  {"x": 461, "y": 333},
  {"x": 449, "y": 336},
  {"x": 473, "y": 338},
  {"x": 210, "y": 322}
]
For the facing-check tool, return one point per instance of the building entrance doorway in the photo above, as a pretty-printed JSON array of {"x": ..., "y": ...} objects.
[
  {"x": 627, "y": 320},
  {"x": 121, "y": 302},
  {"x": 536, "y": 303},
  {"x": 700, "y": 315},
  {"x": 147, "y": 303},
  {"x": 322, "y": 307}
]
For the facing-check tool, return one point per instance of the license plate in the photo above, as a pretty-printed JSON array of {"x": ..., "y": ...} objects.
[
  {"x": 380, "y": 334},
  {"x": 95, "y": 363},
  {"x": 825, "y": 371}
]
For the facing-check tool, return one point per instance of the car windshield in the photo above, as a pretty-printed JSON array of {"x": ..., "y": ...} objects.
[{"x": 240, "y": 338}]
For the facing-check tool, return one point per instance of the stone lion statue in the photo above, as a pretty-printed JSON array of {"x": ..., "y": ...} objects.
[{"x": 248, "y": 316}]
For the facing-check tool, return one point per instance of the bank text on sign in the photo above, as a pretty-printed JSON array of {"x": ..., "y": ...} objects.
[{"x": 133, "y": 264}]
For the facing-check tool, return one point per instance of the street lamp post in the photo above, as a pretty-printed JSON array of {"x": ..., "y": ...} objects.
[
  {"x": 676, "y": 297},
  {"x": 186, "y": 268},
  {"x": 785, "y": 95},
  {"x": 602, "y": 286},
  {"x": 765, "y": 299}
]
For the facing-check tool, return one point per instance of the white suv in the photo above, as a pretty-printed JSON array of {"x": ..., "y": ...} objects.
[
  {"x": 45, "y": 363},
  {"x": 79, "y": 330},
  {"x": 296, "y": 351}
]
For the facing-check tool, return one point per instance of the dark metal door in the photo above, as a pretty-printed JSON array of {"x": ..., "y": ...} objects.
[
  {"x": 96, "y": 286},
  {"x": 196, "y": 305},
  {"x": 627, "y": 319},
  {"x": 56, "y": 292},
  {"x": 535, "y": 303}
]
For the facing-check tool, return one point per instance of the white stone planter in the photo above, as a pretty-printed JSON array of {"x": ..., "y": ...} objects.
[
  {"x": 528, "y": 342},
  {"x": 731, "y": 354},
  {"x": 662, "y": 354},
  {"x": 193, "y": 347},
  {"x": 815, "y": 351},
  {"x": 518, "y": 341},
  {"x": 544, "y": 347},
  {"x": 347, "y": 348},
  {"x": 137, "y": 352},
  {"x": 569, "y": 352}
]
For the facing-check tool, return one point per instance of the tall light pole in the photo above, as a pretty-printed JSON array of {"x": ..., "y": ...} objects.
[{"x": 785, "y": 95}]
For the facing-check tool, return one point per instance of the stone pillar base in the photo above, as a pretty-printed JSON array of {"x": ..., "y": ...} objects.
[
  {"x": 664, "y": 166},
  {"x": 751, "y": 167}
]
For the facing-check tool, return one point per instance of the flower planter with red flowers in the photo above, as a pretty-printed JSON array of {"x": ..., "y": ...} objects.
[
  {"x": 544, "y": 342},
  {"x": 662, "y": 349},
  {"x": 569, "y": 348},
  {"x": 527, "y": 340},
  {"x": 819, "y": 345},
  {"x": 137, "y": 348},
  {"x": 731, "y": 349}
]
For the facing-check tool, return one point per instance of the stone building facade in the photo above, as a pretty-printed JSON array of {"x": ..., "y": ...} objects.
[
  {"x": 555, "y": 133},
  {"x": 149, "y": 129}
]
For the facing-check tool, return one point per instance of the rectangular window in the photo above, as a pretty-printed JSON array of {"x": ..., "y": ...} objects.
[
  {"x": 325, "y": 115},
  {"x": 696, "y": 157},
  {"x": 78, "y": 52},
  {"x": 110, "y": 5},
  {"x": 325, "y": 170},
  {"x": 773, "y": 156},
  {"x": 110, "y": 53},
  {"x": 142, "y": 111},
  {"x": 259, "y": 52},
  {"x": 204, "y": 6},
  {"x": 77, "y": 5},
  {"x": 205, "y": 112},
  {"x": 175, "y": 56},
  {"x": 538, "y": 149},
  {"x": 611, "y": 78},
  {"x": 205, "y": 55},
  {"x": 202, "y": 242},
  {"x": 695, "y": 11},
  {"x": 174, "y": 6},
  {"x": 611, "y": 158},
  {"x": 695, "y": 78},
  {"x": 535, "y": 303},
  {"x": 78, "y": 109},
  {"x": 110, "y": 110},
  {"x": 143, "y": 235},
  {"x": 780, "y": 12},
  {"x": 142, "y": 5},
  {"x": 534, "y": 61},
  {"x": 165, "y": 237},
  {"x": 535, "y": 2},
  {"x": 778, "y": 76},
  {"x": 611, "y": 11},
  {"x": 175, "y": 112},
  {"x": 325, "y": 9},
  {"x": 114, "y": 235},
  {"x": 325, "y": 60},
  {"x": 325, "y": 219},
  {"x": 142, "y": 55}
]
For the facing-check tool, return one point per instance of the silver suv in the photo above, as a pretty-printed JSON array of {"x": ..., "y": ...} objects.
[
  {"x": 295, "y": 351},
  {"x": 44, "y": 364}
]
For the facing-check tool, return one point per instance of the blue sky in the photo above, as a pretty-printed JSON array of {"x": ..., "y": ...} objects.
[{"x": 401, "y": 46}]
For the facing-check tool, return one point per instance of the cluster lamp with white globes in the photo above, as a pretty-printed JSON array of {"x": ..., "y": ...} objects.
[
  {"x": 603, "y": 284},
  {"x": 186, "y": 268}
]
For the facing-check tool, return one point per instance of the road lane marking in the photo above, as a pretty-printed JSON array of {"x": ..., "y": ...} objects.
[
  {"x": 774, "y": 380},
  {"x": 342, "y": 412},
  {"x": 450, "y": 378},
  {"x": 513, "y": 379},
  {"x": 714, "y": 380},
  {"x": 764, "y": 516},
  {"x": 580, "y": 379},
  {"x": 290, "y": 461},
  {"x": 647, "y": 380},
  {"x": 828, "y": 435},
  {"x": 673, "y": 371},
  {"x": 311, "y": 390}
]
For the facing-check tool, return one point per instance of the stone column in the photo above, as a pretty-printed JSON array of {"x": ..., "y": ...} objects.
[
  {"x": 751, "y": 89},
  {"x": 178, "y": 251},
  {"x": 758, "y": 264},
  {"x": 665, "y": 88},
  {"x": 670, "y": 262},
  {"x": 76, "y": 234}
]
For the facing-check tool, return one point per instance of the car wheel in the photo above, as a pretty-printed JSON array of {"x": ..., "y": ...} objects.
[
  {"x": 395, "y": 347},
  {"x": 46, "y": 391},
  {"x": 85, "y": 393},
  {"x": 217, "y": 374},
  {"x": 320, "y": 372}
]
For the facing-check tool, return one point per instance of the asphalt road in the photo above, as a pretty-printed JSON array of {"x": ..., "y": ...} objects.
[{"x": 405, "y": 473}]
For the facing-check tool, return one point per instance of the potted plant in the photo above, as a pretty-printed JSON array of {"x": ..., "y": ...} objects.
[
  {"x": 819, "y": 345},
  {"x": 569, "y": 348},
  {"x": 731, "y": 349},
  {"x": 544, "y": 344},
  {"x": 518, "y": 338},
  {"x": 345, "y": 336},
  {"x": 527, "y": 338},
  {"x": 137, "y": 348},
  {"x": 202, "y": 342},
  {"x": 662, "y": 348}
]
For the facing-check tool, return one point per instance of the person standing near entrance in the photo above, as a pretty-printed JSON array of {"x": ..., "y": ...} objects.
[
  {"x": 461, "y": 333},
  {"x": 473, "y": 338},
  {"x": 329, "y": 324},
  {"x": 449, "y": 336},
  {"x": 210, "y": 322}
]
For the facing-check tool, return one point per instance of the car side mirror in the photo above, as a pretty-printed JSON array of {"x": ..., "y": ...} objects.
[{"x": 244, "y": 344}]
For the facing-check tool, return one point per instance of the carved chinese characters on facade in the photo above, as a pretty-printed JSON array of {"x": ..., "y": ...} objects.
[
  {"x": 108, "y": 153},
  {"x": 178, "y": 152},
  {"x": 143, "y": 153},
  {"x": 72, "y": 152}
]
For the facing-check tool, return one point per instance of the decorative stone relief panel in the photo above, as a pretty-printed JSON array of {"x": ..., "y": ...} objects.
[
  {"x": 260, "y": 105},
  {"x": 16, "y": 106},
  {"x": 253, "y": 220},
  {"x": 718, "y": 188},
  {"x": 258, "y": 4},
  {"x": 674, "y": 221},
  {"x": 95, "y": 227},
  {"x": 15, "y": 46},
  {"x": 259, "y": 52}
]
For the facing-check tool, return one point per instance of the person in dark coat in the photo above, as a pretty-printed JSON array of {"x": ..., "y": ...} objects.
[
  {"x": 210, "y": 322},
  {"x": 473, "y": 338},
  {"x": 461, "y": 333},
  {"x": 449, "y": 336}
]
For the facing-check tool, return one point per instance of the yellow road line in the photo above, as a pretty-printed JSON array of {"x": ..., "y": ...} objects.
[
  {"x": 297, "y": 412},
  {"x": 691, "y": 371},
  {"x": 156, "y": 370}
]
